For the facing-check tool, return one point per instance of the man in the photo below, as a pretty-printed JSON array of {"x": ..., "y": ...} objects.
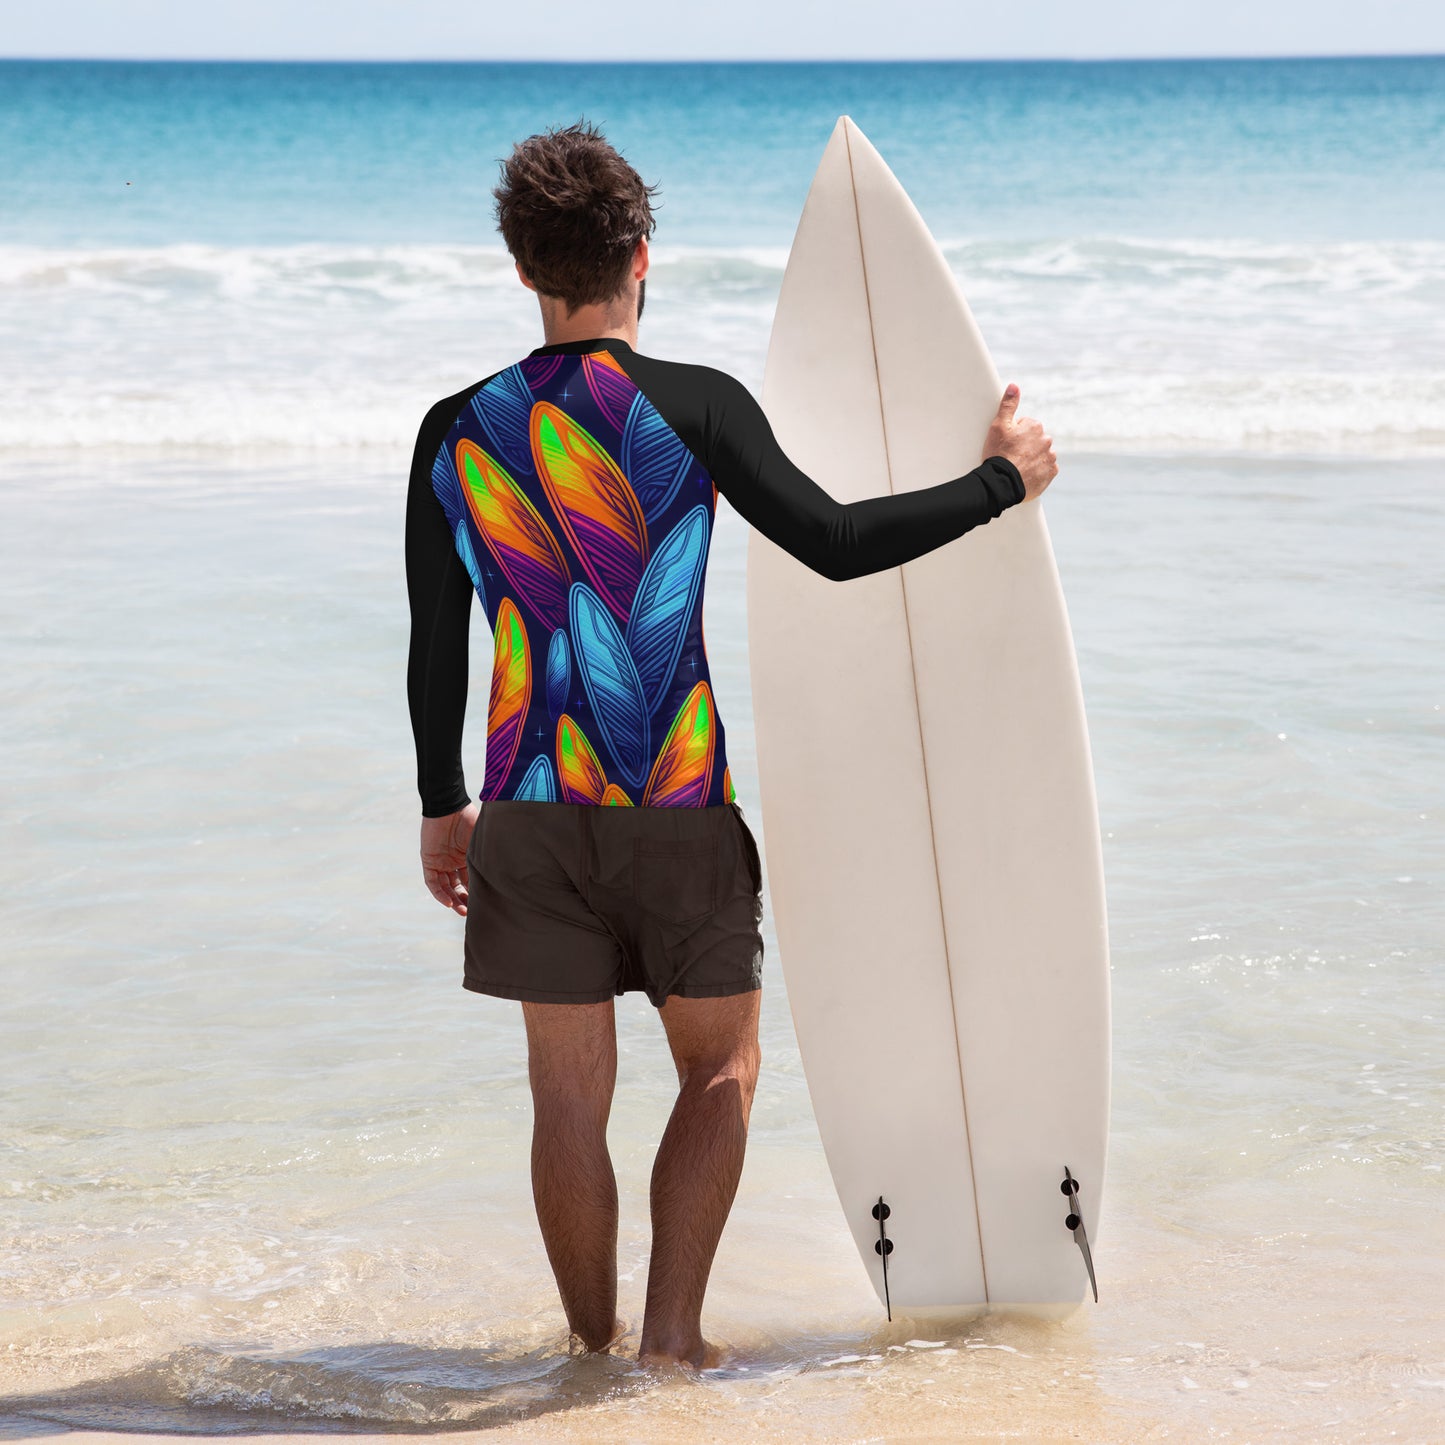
[{"x": 574, "y": 494}]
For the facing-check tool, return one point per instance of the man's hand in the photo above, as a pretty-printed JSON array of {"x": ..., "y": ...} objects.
[
  {"x": 444, "y": 843},
  {"x": 1022, "y": 441}
]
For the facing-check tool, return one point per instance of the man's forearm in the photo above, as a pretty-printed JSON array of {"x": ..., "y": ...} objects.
[{"x": 876, "y": 533}]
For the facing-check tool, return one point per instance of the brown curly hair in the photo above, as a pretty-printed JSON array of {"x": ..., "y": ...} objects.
[{"x": 572, "y": 211}]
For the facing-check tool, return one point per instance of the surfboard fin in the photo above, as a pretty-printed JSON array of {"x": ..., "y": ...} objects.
[
  {"x": 884, "y": 1247},
  {"x": 1075, "y": 1222}
]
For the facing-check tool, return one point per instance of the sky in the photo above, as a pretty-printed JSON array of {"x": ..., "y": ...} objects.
[{"x": 732, "y": 30}]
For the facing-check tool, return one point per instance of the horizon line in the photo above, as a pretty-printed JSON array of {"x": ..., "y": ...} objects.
[{"x": 709, "y": 60}]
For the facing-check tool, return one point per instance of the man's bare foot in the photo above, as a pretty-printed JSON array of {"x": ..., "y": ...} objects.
[{"x": 703, "y": 1356}]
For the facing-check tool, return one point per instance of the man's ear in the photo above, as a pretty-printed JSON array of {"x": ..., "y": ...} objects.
[{"x": 521, "y": 276}]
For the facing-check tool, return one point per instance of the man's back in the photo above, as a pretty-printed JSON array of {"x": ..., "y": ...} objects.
[{"x": 575, "y": 493}]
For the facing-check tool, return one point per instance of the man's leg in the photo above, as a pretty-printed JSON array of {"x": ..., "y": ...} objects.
[
  {"x": 572, "y": 1064},
  {"x": 714, "y": 1044}
]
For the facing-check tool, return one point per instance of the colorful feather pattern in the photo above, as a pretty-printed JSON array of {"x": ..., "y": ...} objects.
[
  {"x": 595, "y": 504},
  {"x": 510, "y": 697},
  {"x": 609, "y": 675},
  {"x": 654, "y": 457},
  {"x": 449, "y": 491},
  {"x": 683, "y": 768},
  {"x": 666, "y": 599},
  {"x": 563, "y": 473},
  {"x": 469, "y": 560},
  {"x": 538, "y": 784},
  {"x": 541, "y": 371},
  {"x": 503, "y": 408},
  {"x": 611, "y": 387},
  {"x": 578, "y": 766},
  {"x": 606, "y": 358},
  {"x": 559, "y": 674},
  {"x": 515, "y": 533}
]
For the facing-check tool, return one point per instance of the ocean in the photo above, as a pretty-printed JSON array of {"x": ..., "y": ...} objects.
[{"x": 265, "y": 1162}]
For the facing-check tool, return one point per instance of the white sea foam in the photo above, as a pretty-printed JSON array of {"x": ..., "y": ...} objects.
[{"x": 1124, "y": 344}]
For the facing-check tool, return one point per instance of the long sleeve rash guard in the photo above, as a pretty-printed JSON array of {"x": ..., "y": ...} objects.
[{"x": 574, "y": 494}]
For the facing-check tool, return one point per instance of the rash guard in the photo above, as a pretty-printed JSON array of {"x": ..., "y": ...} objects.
[{"x": 574, "y": 494}]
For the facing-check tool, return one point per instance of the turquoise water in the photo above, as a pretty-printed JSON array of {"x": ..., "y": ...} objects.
[
  {"x": 227, "y": 154},
  {"x": 264, "y": 1163}
]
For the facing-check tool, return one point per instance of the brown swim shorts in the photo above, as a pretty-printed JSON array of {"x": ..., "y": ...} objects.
[{"x": 576, "y": 903}]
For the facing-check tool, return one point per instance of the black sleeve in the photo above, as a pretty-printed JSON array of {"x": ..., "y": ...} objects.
[
  {"x": 840, "y": 540},
  {"x": 440, "y": 593}
]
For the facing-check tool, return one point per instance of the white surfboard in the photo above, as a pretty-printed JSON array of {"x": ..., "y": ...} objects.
[{"x": 927, "y": 794}]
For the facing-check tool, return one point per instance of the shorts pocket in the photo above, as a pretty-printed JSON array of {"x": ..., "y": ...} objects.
[
  {"x": 474, "y": 842},
  {"x": 750, "y": 851},
  {"x": 676, "y": 880}
]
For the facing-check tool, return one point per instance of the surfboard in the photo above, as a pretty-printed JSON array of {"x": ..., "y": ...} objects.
[{"x": 929, "y": 820}]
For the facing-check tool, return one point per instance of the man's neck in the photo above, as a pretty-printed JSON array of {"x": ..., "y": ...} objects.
[
  {"x": 577, "y": 328},
  {"x": 590, "y": 323}
]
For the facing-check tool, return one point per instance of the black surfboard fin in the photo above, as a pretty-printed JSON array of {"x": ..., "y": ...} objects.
[
  {"x": 1075, "y": 1222},
  {"x": 884, "y": 1246}
]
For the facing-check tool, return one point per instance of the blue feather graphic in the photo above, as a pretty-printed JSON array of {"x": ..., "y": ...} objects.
[
  {"x": 662, "y": 609},
  {"x": 610, "y": 677},
  {"x": 538, "y": 783},
  {"x": 448, "y": 489},
  {"x": 559, "y": 673},
  {"x": 469, "y": 557},
  {"x": 503, "y": 406},
  {"x": 653, "y": 457}
]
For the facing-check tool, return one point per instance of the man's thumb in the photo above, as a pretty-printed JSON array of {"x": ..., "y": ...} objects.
[{"x": 1010, "y": 395}]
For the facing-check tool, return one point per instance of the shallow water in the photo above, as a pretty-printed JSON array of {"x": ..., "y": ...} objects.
[{"x": 266, "y": 1162}]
